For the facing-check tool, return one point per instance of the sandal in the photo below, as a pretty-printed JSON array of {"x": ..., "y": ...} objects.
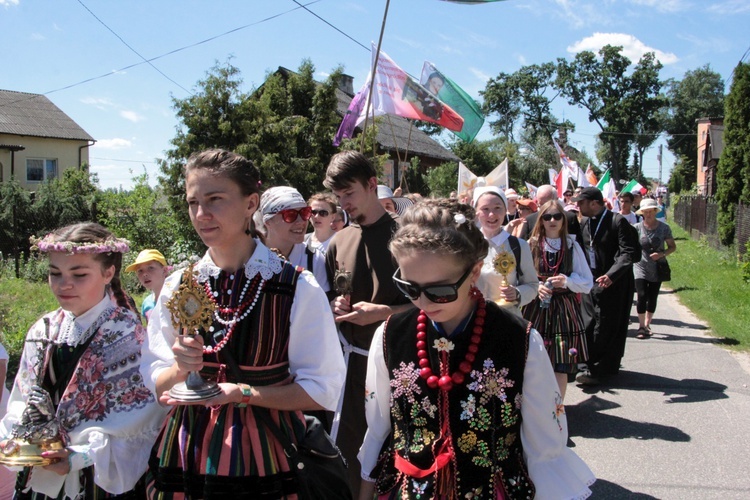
[
  {"x": 643, "y": 333},
  {"x": 648, "y": 330}
]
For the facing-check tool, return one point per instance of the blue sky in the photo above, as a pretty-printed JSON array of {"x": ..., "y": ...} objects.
[{"x": 52, "y": 46}]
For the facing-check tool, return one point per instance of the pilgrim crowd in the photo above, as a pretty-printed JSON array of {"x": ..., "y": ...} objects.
[{"x": 434, "y": 339}]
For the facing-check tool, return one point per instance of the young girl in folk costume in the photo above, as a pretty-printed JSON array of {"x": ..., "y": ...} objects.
[
  {"x": 563, "y": 274},
  {"x": 463, "y": 387},
  {"x": 90, "y": 382},
  {"x": 272, "y": 347}
]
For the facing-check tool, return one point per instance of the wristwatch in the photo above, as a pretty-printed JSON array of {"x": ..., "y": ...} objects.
[{"x": 247, "y": 393}]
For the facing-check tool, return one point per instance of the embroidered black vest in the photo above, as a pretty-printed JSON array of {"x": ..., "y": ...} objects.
[{"x": 484, "y": 412}]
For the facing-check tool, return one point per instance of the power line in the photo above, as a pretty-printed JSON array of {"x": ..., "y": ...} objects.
[
  {"x": 332, "y": 26},
  {"x": 171, "y": 52},
  {"x": 132, "y": 49}
]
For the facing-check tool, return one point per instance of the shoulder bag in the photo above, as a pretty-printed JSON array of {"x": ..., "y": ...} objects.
[
  {"x": 663, "y": 271},
  {"x": 321, "y": 470}
]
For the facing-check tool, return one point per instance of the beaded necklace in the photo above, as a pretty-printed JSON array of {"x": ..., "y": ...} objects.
[
  {"x": 244, "y": 307},
  {"x": 551, "y": 265},
  {"x": 446, "y": 381}
]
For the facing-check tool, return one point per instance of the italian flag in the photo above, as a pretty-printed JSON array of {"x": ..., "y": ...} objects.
[{"x": 634, "y": 187}]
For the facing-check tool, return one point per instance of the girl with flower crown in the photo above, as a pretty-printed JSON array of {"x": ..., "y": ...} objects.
[
  {"x": 271, "y": 346},
  {"x": 463, "y": 388},
  {"x": 79, "y": 377}
]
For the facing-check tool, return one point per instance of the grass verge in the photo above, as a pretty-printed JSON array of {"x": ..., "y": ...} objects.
[{"x": 709, "y": 282}]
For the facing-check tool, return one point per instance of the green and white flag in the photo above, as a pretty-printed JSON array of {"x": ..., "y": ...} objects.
[{"x": 454, "y": 96}]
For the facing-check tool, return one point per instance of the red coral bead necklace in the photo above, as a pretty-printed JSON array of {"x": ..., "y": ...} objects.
[{"x": 446, "y": 381}]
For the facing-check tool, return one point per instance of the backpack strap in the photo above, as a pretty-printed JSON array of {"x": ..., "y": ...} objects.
[
  {"x": 309, "y": 254},
  {"x": 516, "y": 248}
]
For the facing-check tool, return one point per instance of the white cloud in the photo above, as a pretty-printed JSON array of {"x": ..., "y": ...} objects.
[
  {"x": 37, "y": 36},
  {"x": 521, "y": 59},
  {"x": 484, "y": 77},
  {"x": 664, "y": 5},
  {"x": 131, "y": 115},
  {"x": 99, "y": 102},
  {"x": 8, "y": 2},
  {"x": 632, "y": 48},
  {"x": 115, "y": 143},
  {"x": 407, "y": 41},
  {"x": 730, "y": 7}
]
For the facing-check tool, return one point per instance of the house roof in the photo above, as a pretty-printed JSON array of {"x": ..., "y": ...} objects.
[
  {"x": 396, "y": 133},
  {"x": 34, "y": 115}
]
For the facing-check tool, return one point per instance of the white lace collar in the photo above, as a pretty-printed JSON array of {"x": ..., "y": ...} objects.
[
  {"x": 76, "y": 329},
  {"x": 263, "y": 261}
]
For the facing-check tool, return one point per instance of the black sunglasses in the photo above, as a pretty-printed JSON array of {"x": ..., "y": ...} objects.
[
  {"x": 549, "y": 217},
  {"x": 321, "y": 212},
  {"x": 290, "y": 214},
  {"x": 440, "y": 294}
]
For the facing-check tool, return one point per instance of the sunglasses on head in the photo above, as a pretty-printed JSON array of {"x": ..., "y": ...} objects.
[
  {"x": 440, "y": 294},
  {"x": 549, "y": 217},
  {"x": 290, "y": 214},
  {"x": 321, "y": 212}
]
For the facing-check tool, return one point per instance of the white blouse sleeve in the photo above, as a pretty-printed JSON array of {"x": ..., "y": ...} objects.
[
  {"x": 580, "y": 280},
  {"x": 528, "y": 284},
  {"x": 556, "y": 471},
  {"x": 157, "y": 348},
  {"x": 377, "y": 406},
  {"x": 315, "y": 357}
]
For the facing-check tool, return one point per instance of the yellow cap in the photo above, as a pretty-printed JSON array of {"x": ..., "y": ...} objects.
[{"x": 147, "y": 256}]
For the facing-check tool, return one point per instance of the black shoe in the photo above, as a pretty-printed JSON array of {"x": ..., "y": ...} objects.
[{"x": 586, "y": 378}]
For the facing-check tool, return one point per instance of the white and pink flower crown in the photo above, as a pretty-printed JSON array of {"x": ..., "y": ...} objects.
[{"x": 111, "y": 244}]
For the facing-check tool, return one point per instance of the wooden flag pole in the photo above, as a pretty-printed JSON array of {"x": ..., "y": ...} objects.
[{"x": 374, "y": 69}]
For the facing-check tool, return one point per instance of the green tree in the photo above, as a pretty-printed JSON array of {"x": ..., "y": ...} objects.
[
  {"x": 617, "y": 101},
  {"x": 285, "y": 127},
  {"x": 699, "y": 94},
  {"x": 682, "y": 177},
  {"x": 216, "y": 116},
  {"x": 441, "y": 180},
  {"x": 141, "y": 216},
  {"x": 522, "y": 99},
  {"x": 733, "y": 173}
]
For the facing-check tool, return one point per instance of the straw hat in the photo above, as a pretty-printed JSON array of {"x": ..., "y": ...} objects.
[{"x": 647, "y": 204}]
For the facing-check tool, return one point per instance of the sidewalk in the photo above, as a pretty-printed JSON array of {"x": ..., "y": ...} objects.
[{"x": 675, "y": 423}]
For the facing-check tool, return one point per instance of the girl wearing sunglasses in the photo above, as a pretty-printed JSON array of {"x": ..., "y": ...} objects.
[
  {"x": 445, "y": 380},
  {"x": 282, "y": 221},
  {"x": 323, "y": 207},
  {"x": 563, "y": 275}
]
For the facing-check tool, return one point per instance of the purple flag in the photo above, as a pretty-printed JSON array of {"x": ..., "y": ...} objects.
[{"x": 356, "y": 107}]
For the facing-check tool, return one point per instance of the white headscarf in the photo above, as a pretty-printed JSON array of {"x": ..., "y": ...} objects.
[{"x": 489, "y": 189}]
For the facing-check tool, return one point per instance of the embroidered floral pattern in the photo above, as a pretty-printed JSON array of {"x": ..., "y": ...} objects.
[
  {"x": 490, "y": 382},
  {"x": 107, "y": 379},
  {"x": 403, "y": 382},
  {"x": 443, "y": 344},
  {"x": 559, "y": 410},
  {"x": 467, "y": 441},
  {"x": 418, "y": 487},
  {"x": 469, "y": 406}
]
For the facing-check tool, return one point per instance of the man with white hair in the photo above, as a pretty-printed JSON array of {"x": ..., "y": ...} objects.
[{"x": 546, "y": 193}]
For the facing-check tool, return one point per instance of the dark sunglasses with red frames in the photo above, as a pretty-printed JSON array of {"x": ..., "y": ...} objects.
[
  {"x": 440, "y": 294},
  {"x": 290, "y": 214},
  {"x": 549, "y": 217},
  {"x": 322, "y": 212}
]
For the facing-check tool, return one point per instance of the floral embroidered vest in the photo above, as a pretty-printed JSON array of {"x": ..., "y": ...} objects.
[{"x": 484, "y": 413}]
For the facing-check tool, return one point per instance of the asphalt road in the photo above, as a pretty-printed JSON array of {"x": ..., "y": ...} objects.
[{"x": 675, "y": 424}]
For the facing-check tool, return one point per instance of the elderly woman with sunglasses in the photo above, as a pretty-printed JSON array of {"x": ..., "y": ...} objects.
[
  {"x": 281, "y": 221},
  {"x": 563, "y": 274}
]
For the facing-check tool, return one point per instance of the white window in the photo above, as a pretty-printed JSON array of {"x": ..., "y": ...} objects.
[{"x": 40, "y": 169}]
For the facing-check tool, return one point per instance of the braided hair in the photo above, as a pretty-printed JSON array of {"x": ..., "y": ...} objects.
[
  {"x": 91, "y": 232},
  {"x": 441, "y": 226}
]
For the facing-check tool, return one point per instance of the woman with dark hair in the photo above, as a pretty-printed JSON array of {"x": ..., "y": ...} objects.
[
  {"x": 563, "y": 275},
  {"x": 263, "y": 348}
]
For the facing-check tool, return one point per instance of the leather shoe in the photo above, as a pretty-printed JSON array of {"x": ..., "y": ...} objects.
[{"x": 585, "y": 378}]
